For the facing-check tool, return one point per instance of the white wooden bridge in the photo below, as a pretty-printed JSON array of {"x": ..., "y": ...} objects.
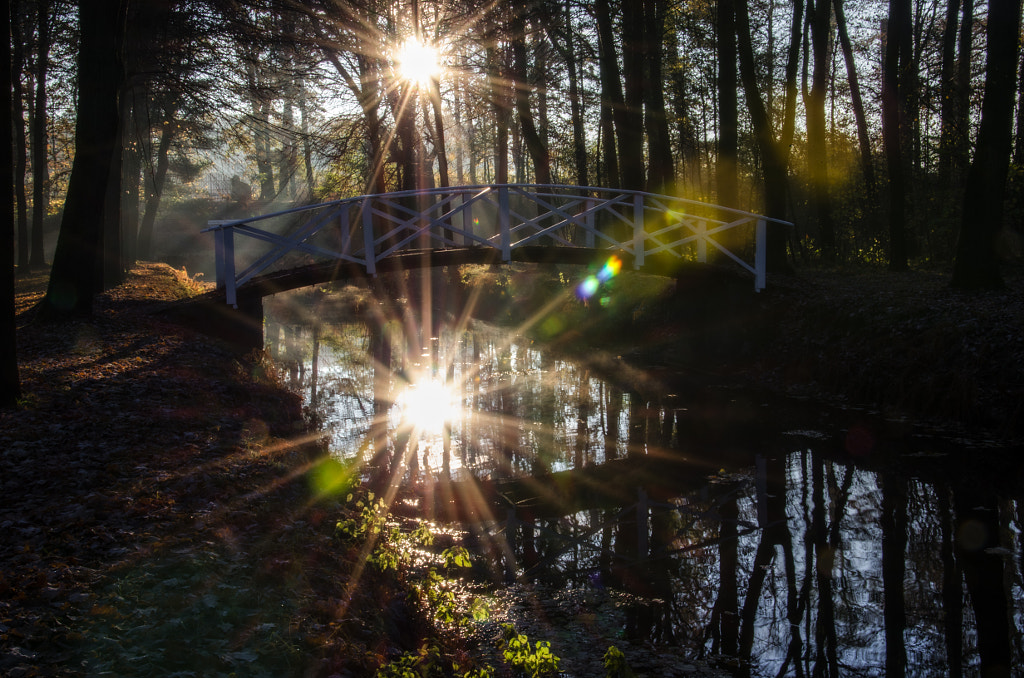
[{"x": 503, "y": 222}]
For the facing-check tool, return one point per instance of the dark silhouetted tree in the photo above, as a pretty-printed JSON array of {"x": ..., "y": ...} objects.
[
  {"x": 10, "y": 384},
  {"x": 975, "y": 266},
  {"x": 78, "y": 263}
]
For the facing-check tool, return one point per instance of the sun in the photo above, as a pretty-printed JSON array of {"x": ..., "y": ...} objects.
[{"x": 418, "y": 62}]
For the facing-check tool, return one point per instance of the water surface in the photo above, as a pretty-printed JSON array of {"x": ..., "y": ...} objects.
[{"x": 774, "y": 538}]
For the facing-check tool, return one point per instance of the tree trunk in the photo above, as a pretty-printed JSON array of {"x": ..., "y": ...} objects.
[
  {"x": 113, "y": 258},
  {"x": 10, "y": 382},
  {"x": 773, "y": 160},
  {"x": 77, "y": 272},
  {"x": 947, "y": 87},
  {"x": 857, "y": 103},
  {"x": 440, "y": 145},
  {"x": 820, "y": 19},
  {"x": 612, "y": 103},
  {"x": 631, "y": 129},
  {"x": 307, "y": 145},
  {"x": 728, "y": 122},
  {"x": 579, "y": 144},
  {"x": 145, "y": 240},
  {"x": 895, "y": 131},
  {"x": 502, "y": 113},
  {"x": 975, "y": 266},
  {"x": 40, "y": 174},
  {"x": 661, "y": 168},
  {"x": 21, "y": 153},
  {"x": 134, "y": 131},
  {"x": 534, "y": 144}
]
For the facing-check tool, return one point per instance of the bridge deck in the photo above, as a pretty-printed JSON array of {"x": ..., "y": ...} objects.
[{"x": 479, "y": 224}]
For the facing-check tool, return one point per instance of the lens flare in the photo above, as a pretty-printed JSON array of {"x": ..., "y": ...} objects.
[
  {"x": 418, "y": 62},
  {"x": 610, "y": 270},
  {"x": 426, "y": 406},
  {"x": 588, "y": 288}
]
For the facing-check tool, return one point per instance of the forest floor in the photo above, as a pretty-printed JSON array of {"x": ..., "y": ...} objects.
[{"x": 164, "y": 512}]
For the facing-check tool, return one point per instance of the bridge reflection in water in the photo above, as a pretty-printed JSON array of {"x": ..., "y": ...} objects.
[{"x": 785, "y": 539}]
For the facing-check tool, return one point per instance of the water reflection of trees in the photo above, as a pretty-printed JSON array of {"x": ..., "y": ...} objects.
[{"x": 779, "y": 553}]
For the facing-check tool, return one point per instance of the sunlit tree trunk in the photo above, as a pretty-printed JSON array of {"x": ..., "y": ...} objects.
[
  {"x": 307, "y": 144},
  {"x": 154, "y": 192},
  {"x": 534, "y": 144},
  {"x": 773, "y": 159},
  {"x": 502, "y": 115},
  {"x": 579, "y": 144},
  {"x": 440, "y": 145},
  {"x": 982, "y": 215},
  {"x": 820, "y": 19},
  {"x": 857, "y": 104}
]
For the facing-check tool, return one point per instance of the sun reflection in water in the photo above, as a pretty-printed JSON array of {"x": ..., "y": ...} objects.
[{"x": 426, "y": 406}]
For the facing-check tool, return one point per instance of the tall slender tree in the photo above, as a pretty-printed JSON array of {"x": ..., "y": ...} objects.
[
  {"x": 77, "y": 272},
  {"x": 975, "y": 266},
  {"x": 896, "y": 86},
  {"x": 10, "y": 383},
  {"x": 774, "y": 167},
  {"x": 728, "y": 118},
  {"x": 38, "y": 127},
  {"x": 17, "y": 22},
  {"x": 820, "y": 20},
  {"x": 612, "y": 104}
]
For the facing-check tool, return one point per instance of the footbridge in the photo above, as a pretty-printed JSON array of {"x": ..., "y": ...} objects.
[{"x": 497, "y": 223}]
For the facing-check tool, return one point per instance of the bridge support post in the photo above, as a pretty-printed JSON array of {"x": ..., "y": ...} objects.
[
  {"x": 467, "y": 223},
  {"x": 761, "y": 256},
  {"x": 368, "y": 249},
  {"x": 504, "y": 224},
  {"x": 639, "y": 234},
  {"x": 589, "y": 220},
  {"x": 224, "y": 260}
]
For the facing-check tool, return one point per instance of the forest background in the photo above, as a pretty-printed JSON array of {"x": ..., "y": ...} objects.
[{"x": 889, "y": 133}]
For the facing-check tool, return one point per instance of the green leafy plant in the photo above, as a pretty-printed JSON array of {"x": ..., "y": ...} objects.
[
  {"x": 533, "y": 661},
  {"x": 615, "y": 664},
  {"x": 426, "y": 662},
  {"x": 456, "y": 556},
  {"x": 370, "y": 519}
]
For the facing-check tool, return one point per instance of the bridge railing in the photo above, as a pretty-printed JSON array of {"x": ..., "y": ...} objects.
[{"x": 364, "y": 230}]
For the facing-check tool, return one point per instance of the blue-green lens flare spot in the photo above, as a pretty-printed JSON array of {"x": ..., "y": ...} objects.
[
  {"x": 331, "y": 478},
  {"x": 587, "y": 288}
]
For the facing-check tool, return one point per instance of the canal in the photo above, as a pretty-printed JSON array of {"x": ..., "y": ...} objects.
[{"x": 674, "y": 517}]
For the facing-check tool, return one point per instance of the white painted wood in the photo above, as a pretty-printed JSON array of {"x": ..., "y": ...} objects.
[{"x": 504, "y": 217}]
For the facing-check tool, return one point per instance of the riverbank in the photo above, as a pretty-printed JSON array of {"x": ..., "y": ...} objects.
[{"x": 164, "y": 513}]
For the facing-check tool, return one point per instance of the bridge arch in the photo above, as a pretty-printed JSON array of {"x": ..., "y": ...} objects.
[{"x": 497, "y": 223}]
